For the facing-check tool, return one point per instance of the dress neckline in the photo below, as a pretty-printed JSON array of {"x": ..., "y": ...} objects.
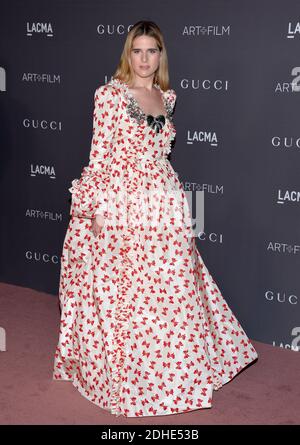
[{"x": 136, "y": 103}]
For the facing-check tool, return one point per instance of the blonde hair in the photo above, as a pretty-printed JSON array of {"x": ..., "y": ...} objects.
[{"x": 124, "y": 71}]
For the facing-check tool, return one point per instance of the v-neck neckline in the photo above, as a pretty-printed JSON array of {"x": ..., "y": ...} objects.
[{"x": 132, "y": 97}]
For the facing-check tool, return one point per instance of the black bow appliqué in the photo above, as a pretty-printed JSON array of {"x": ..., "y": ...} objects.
[{"x": 156, "y": 122}]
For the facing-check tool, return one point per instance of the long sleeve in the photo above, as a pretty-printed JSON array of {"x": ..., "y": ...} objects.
[{"x": 88, "y": 192}]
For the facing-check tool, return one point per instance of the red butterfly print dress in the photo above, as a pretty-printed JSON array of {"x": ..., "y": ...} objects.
[{"x": 144, "y": 328}]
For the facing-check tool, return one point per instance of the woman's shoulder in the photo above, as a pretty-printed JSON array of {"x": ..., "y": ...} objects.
[
  {"x": 108, "y": 91},
  {"x": 170, "y": 95}
]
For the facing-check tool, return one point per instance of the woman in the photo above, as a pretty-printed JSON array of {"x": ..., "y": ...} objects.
[{"x": 144, "y": 328}]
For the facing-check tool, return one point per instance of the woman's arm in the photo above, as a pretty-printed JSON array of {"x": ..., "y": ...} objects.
[{"x": 88, "y": 192}]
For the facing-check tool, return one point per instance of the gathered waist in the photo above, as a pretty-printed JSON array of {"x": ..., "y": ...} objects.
[
  {"x": 96, "y": 166},
  {"x": 145, "y": 159}
]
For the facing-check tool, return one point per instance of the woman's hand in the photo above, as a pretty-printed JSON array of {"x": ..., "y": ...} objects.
[{"x": 97, "y": 224}]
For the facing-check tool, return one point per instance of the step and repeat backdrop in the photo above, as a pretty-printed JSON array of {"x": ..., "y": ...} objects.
[{"x": 235, "y": 67}]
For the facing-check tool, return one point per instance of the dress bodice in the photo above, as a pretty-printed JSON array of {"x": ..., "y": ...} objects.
[
  {"x": 147, "y": 135},
  {"x": 126, "y": 152}
]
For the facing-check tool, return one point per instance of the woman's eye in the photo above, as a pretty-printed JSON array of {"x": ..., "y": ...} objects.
[{"x": 151, "y": 50}]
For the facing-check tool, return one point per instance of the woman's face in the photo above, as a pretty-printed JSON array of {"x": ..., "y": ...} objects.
[{"x": 145, "y": 56}]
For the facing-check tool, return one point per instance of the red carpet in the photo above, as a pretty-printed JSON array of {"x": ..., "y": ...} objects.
[{"x": 266, "y": 392}]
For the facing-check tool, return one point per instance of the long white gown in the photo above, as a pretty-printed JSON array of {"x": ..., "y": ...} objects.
[{"x": 144, "y": 328}]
